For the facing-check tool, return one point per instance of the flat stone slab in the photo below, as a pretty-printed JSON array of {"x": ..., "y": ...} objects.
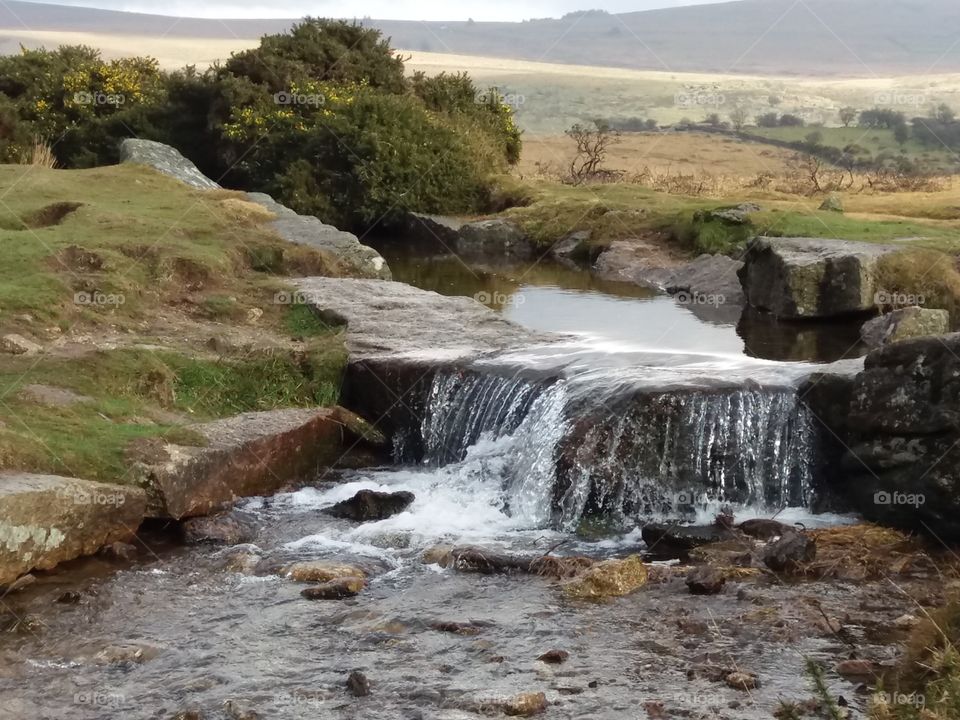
[
  {"x": 247, "y": 455},
  {"x": 394, "y": 319},
  {"x": 46, "y": 520}
]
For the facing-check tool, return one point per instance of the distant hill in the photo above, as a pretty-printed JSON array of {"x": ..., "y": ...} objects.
[{"x": 813, "y": 37}]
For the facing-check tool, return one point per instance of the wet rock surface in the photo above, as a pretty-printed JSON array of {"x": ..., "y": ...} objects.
[
  {"x": 705, "y": 580},
  {"x": 683, "y": 537},
  {"x": 230, "y": 528},
  {"x": 345, "y": 587},
  {"x": 369, "y": 505},
  {"x": 799, "y": 278},
  {"x": 46, "y": 520},
  {"x": 790, "y": 552}
]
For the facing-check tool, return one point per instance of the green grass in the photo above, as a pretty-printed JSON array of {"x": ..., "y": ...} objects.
[
  {"x": 153, "y": 241},
  {"x": 146, "y": 247},
  {"x": 619, "y": 211},
  {"x": 875, "y": 141},
  {"x": 136, "y": 393}
]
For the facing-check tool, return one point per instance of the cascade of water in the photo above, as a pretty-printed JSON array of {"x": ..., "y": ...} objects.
[{"x": 621, "y": 455}]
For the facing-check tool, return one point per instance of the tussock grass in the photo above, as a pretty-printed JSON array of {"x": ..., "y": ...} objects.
[{"x": 929, "y": 275}]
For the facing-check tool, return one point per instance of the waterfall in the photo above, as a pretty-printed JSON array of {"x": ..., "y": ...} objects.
[
  {"x": 667, "y": 453},
  {"x": 562, "y": 451}
]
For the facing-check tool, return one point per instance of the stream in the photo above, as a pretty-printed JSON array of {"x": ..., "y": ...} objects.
[{"x": 197, "y": 627}]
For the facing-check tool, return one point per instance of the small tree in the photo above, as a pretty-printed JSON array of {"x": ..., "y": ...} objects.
[
  {"x": 768, "y": 120},
  {"x": 791, "y": 121},
  {"x": 593, "y": 144},
  {"x": 848, "y": 116},
  {"x": 738, "y": 117},
  {"x": 944, "y": 113}
]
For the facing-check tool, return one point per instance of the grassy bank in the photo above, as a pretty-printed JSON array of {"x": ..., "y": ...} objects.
[
  {"x": 155, "y": 305},
  {"x": 619, "y": 211}
]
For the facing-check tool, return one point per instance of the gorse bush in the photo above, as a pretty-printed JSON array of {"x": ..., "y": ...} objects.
[{"x": 322, "y": 117}]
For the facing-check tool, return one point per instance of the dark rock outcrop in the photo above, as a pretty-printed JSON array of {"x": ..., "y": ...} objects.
[
  {"x": 683, "y": 537},
  {"x": 800, "y": 278},
  {"x": 46, "y": 520},
  {"x": 763, "y": 529},
  {"x": 497, "y": 236},
  {"x": 903, "y": 465},
  {"x": 790, "y": 552},
  {"x": 368, "y": 505},
  {"x": 432, "y": 229}
]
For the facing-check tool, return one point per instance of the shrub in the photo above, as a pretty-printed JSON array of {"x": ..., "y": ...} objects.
[
  {"x": 321, "y": 116},
  {"x": 925, "y": 274}
]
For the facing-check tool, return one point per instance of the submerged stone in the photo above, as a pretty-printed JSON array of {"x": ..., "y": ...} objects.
[
  {"x": 357, "y": 684},
  {"x": 611, "y": 578},
  {"x": 321, "y": 571},
  {"x": 339, "y": 589},
  {"x": 231, "y": 528}
]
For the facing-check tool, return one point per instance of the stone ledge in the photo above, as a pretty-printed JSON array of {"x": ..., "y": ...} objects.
[
  {"x": 247, "y": 455},
  {"x": 46, "y": 520}
]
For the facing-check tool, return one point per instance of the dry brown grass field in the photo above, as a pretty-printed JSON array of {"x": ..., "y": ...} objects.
[{"x": 662, "y": 153}]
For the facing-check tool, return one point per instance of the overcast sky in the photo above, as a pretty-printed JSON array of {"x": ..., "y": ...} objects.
[{"x": 380, "y": 9}]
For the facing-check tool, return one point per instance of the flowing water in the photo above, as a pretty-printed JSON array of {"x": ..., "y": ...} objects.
[{"x": 526, "y": 452}]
